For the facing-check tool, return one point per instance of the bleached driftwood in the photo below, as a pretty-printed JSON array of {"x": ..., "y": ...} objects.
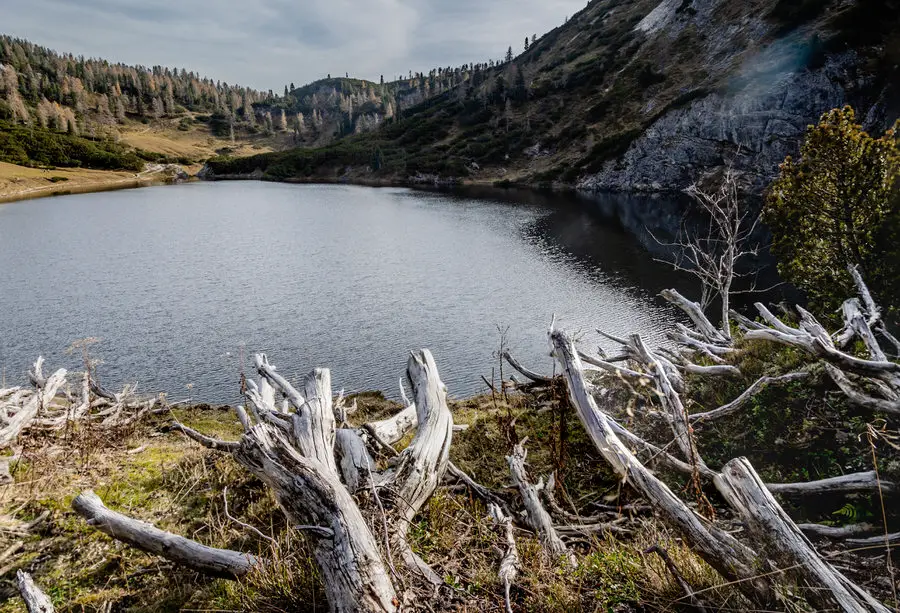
[
  {"x": 786, "y": 544},
  {"x": 722, "y": 551},
  {"x": 208, "y": 560},
  {"x": 867, "y": 481},
  {"x": 36, "y": 601},
  {"x": 509, "y": 565},
  {"x": 736, "y": 404},
  {"x": 30, "y": 409},
  {"x": 695, "y": 312},
  {"x": 526, "y": 372},
  {"x": 536, "y": 515}
]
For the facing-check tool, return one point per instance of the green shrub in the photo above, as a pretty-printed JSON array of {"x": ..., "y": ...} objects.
[{"x": 838, "y": 206}]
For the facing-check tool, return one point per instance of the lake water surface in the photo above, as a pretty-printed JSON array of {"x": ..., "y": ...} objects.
[{"x": 179, "y": 281}]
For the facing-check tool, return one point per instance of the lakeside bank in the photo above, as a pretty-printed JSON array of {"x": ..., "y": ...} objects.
[{"x": 23, "y": 182}]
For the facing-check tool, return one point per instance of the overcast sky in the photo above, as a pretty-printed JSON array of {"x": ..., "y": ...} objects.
[{"x": 270, "y": 43}]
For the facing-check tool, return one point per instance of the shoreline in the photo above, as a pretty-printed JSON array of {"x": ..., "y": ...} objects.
[{"x": 19, "y": 183}]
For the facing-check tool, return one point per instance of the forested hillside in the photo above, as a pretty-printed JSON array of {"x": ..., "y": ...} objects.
[
  {"x": 633, "y": 95},
  {"x": 72, "y": 104}
]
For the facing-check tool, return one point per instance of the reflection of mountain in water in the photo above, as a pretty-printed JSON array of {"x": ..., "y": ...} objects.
[{"x": 600, "y": 229}]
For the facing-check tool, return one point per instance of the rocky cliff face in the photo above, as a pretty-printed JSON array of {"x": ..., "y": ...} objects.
[
  {"x": 753, "y": 129},
  {"x": 768, "y": 89}
]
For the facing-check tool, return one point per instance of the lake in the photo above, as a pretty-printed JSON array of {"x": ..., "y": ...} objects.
[{"x": 181, "y": 281}]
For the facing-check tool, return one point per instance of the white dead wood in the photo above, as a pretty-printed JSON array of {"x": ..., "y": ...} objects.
[
  {"x": 509, "y": 565},
  {"x": 421, "y": 466},
  {"x": 311, "y": 494},
  {"x": 695, "y": 312},
  {"x": 274, "y": 378},
  {"x": 738, "y": 403},
  {"x": 837, "y": 532},
  {"x": 208, "y": 560},
  {"x": 722, "y": 551},
  {"x": 811, "y": 337},
  {"x": 36, "y": 373},
  {"x": 36, "y": 601},
  {"x": 537, "y": 517},
  {"x": 883, "y": 540},
  {"x": 207, "y": 441},
  {"x": 674, "y": 409},
  {"x": 786, "y": 544},
  {"x": 526, "y": 372},
  {"x": 854, "y": 482},
  {"x": 858, "y": 397},
  {"x": 34, "y": 404},
  {"x": 611, "y": 368}
]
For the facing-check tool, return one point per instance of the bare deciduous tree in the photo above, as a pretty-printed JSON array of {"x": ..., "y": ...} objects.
[{"x": 712, "y": 256}]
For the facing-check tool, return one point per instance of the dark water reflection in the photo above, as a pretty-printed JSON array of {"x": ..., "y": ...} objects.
[{"x": 179, "y": 280}]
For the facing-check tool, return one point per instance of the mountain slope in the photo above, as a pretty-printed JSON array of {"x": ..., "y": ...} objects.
[{"x": 635, "y": 95}]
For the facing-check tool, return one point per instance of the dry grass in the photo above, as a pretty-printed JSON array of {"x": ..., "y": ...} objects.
[
  {"x": 179, "y": 487},
  {"x": 17, "y": 182}
]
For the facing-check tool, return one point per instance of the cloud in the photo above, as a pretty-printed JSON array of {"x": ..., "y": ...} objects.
[{"x": 270, "y": 43}]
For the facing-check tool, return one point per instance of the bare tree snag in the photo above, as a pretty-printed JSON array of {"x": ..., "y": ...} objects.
[
  {"x": 786, "y": 544},
  {"x": 723, "y": 552},
  {"x": 422, "y": 465},
  {"x": 208, "y": 560},
  {"x": 537, "y": 517},
  {"x": 310, "y": 493},
  {"x": 36, "y": 601}
]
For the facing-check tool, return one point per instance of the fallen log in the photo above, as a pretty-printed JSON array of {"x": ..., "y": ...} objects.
[
  {"x": 538, "y": 518},
  {"x": 785, "y": 543},
  {"x": 36, "y": 601},
  {"x": 837, "y": 532},
  {"x": 208, "y": 560},
  {"x": 845, "y": 484}
]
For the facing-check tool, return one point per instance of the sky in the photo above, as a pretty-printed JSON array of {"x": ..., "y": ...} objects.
[{"x": 270, "y": 43}]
